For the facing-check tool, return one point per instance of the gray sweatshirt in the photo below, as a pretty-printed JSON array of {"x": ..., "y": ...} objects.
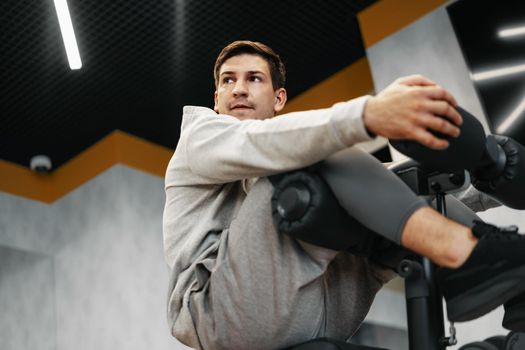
[{"x": 206, "y": 180}]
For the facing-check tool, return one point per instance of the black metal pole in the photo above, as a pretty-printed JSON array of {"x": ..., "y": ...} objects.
[
  {"x": 424, "y": 300},
  {"x": 436, "y": 297},
  {"x": 423, "y": 333}
]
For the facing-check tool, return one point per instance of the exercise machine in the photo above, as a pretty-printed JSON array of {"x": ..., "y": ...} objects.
[{"x": 305, "y": 202}]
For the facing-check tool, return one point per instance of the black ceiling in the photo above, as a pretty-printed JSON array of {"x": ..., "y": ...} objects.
[{"x": 144, "y": 60}]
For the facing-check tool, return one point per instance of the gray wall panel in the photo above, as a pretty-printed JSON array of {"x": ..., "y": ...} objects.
[
  {"x": 111, "y": 274},
  {"x": 428, "y": 47},
  {"x": 26, "y": 224},
  {"x": 109, "y": 280},
  {"x": 27, "y": 310}
]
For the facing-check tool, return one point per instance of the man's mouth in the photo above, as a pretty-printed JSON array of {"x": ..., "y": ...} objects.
[{"x": 241, "y": 106}]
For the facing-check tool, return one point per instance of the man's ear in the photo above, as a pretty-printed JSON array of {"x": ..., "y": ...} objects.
[
  {"x": 215, "y": 99},
  {"x": 280, "y": 100}
]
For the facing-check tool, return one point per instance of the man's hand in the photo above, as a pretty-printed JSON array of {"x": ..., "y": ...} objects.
[{"x": 411, "y": 107}]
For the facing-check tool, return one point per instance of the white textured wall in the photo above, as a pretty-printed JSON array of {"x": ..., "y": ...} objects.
[
  {"x": 101, "y": 250},
  {"x": 429, "y": 47},
  {"x": 27, "y": 313},
  {"x": 26, "y": 224},
  {"x": 389, "y": 307}
]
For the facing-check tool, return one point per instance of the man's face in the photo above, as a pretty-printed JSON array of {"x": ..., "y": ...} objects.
[{"x": 245, "y": 89}]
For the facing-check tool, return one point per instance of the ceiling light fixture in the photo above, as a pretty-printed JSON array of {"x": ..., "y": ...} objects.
[
  {"x": 503, "y": 127},
  {"x": 68, "y": 35},
  {"x": 500, "y": 72},
  {"x": 511, "y": 32}
]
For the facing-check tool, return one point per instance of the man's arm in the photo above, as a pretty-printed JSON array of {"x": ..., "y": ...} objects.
[{"x": 226, "y": 149}]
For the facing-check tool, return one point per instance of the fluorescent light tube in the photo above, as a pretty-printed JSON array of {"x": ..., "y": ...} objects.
[
  {"x": 503, "y": 127},
  {"x": 68, "y": 35},
  {"x": 495, "y": 73},
  {"x": 510, "y": 32}
]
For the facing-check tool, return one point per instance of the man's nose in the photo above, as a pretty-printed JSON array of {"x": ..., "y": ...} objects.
[{"x": 240, "y": 88}]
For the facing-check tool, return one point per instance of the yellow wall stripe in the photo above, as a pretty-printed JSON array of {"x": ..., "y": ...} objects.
[
  {"x": 18, "y": 180},
  {"x": 142, "y": 155},
  {"x": 386, "y": 17},
  {"x": 117, "y": 147},
  {"x": 353, "y": 81}
]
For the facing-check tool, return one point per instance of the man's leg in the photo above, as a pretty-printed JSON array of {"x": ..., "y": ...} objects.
[
  {"x": 270, "y": 291},
  {"x": 445, "y": 242},
  {"x": 383, "y": 203},
  {"x": 482, "y": 266}
]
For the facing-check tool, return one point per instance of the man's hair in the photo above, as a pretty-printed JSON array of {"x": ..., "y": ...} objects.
[{"x": 277, "y": 70}]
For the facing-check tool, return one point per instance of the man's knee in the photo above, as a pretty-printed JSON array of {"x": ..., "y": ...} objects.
[{"x": 305, "y": 208}]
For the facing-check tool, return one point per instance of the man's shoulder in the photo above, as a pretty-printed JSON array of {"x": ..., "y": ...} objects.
[
  {"x": 196, "y": 114},
  {"x": 193, "y": 114},
  {"x": 188, "y": 111}
]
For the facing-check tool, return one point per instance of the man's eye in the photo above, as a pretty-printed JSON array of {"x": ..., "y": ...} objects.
[
  {"x": 255, "y": 78},
  {"x": 227, "y": 80}
]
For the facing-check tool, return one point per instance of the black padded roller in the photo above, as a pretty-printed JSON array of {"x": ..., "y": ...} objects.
[
  {"x": 304, "y": 207},
  {"x": 464, "y": 152}
]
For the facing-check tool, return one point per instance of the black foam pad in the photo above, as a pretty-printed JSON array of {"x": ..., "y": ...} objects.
[
  {"x": 464, "y": 152},
  {"x": 509, "y": 186},
  {"x": 480, "y": 345},
  {"x": 498, "y": 341},
  {"x": 304, "y": 207},
  {"x": 515, "y": 341}
]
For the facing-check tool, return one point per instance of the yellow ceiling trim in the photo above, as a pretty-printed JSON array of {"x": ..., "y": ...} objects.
[
  {"x": 353, "y": 81},
  {"x": 117, "y": 147},
  {"x": 386, "y": 17},
  {"x": 141, "y": 154}
]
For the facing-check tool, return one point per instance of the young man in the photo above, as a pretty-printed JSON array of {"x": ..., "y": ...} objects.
[{"x": 235, "y": 282}]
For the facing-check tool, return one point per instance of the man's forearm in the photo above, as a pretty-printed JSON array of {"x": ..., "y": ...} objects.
[{"x": 226, "y": 149}]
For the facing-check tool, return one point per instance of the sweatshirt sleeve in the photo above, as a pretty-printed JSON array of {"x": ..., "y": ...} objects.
[{"x": 226, "y": 149}]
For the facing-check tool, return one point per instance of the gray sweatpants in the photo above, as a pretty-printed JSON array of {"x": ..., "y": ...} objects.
[
  {"x": 376, "y": 197},
  {"x": 270, "y": 291}
]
